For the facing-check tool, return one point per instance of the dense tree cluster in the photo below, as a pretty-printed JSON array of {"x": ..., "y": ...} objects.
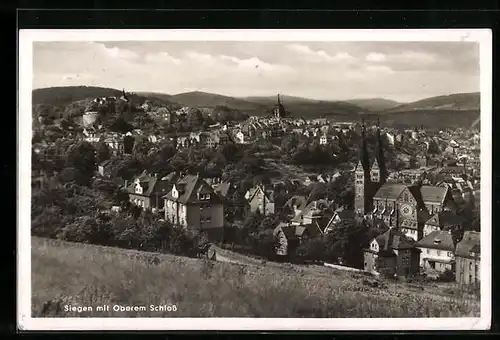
[{"x": 343, "y": 245}]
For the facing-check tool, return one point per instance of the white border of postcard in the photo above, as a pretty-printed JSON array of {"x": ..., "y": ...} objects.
[{"x": 26, "y": 322}]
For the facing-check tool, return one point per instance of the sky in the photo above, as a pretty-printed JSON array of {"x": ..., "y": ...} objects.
[{"x": 401, "y": 71}]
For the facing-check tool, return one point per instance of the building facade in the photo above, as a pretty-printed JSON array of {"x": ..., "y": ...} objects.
[
  {"x": 260, "y": 199},
  {"x": 193, "y": 204},
  {"x": 147, "y": 191},
  {"x": 468, "y": 259},
  {"x": 437, "y": 252},
  {"x": 392, "y": 254}
]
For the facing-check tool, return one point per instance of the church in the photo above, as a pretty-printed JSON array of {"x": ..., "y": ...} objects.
[
  {"x": 406, "y": 207},
  {"x": 279, "y": 110}
]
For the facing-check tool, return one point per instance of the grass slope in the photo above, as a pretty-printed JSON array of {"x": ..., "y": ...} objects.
[{"x": 86, "y": 275}]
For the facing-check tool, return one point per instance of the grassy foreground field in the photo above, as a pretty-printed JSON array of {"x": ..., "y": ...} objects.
[{"x": 90, "y": 276}]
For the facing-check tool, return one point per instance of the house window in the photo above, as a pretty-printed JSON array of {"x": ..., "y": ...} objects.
[
  {"x": 438, "y": 253},
  {"x": 208, "y": 196},
  {"x": 450, "y": 254},
  {"x": 428, "y": 251},
  {"x": 470, "y": 266}
]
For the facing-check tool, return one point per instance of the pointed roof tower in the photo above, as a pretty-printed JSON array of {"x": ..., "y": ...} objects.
[
  {"x": 279, "y": 110},
  {"x": 124, "y": 95},
  {"x": 380, "y": 154},
  {"x": 363, "y": 152}
]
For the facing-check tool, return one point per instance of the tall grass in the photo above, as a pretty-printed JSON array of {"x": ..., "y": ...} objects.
[{"x": 84, "y": 275}]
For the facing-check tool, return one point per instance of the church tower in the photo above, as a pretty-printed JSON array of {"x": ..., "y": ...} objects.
[
  {"x": 378, "y": 172},
  {"x": 279, "y": 111},
  {"x": 362, "y": 177}
]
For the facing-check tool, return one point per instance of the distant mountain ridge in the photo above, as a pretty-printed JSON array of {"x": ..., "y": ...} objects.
[
  {"x": 375, "y": 104},
  {"x": 456, "y": 101},
  {"x": 460, "y": 108}
]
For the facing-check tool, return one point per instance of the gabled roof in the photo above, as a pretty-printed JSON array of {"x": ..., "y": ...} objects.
[
  {"x": 433, "y": 194},
  {"x": 471, "y": 242},
  {"x": 223, "y": 188},
  {"x": 106, "y": 163},
  {"x": 438, "y": 239},
  {"x": 313, "y": 229},
  {"x": 394, "y": 239},
  {"x": 345, "y": 214},
  {"x": 390, "y": 191},
  {"x": 150, "y": 185},
  {"x": 268, "y": 193},
  {"x": 287, "y": 230},
  {"x": 445, "y": 218},
  {"x": 190, "y": 186}
]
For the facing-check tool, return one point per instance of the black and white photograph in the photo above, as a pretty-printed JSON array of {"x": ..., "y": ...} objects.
[{"x": 254, "y": 179}]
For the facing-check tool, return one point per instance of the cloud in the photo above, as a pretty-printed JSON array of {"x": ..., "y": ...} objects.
[
  {"x": 76, "y": 76},
  {"x": 320, "y": 70},
  {"x": 318, "y": 55},
  {"x": 161, "y": 57},
  {"x": 232, "y": 63},
  {"x": 253, "y": 63},
  {"x": 119, "y": 53},
  {"x": 201, "y": 57},
  {"x": 374, "y": 56}
]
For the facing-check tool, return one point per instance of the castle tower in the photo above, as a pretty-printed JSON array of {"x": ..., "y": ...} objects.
[
  {"x": 378, "y": 172},
  {"x": 362, "y": 177}
]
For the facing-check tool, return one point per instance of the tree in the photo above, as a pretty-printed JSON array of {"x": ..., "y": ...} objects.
[
  {"x": 120, "y": 125},
  {"x": 142, "y": 146},
  {"x": 346, "y": 242},
  {"x": 83, "y": 158},
  {"x": 312, "y": 249},
  {"x": 128, "y": 144},
  {"x": 103, "y": 153}
]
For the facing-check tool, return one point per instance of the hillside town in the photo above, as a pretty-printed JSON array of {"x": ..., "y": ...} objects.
[{"x": 392, "y": 202}]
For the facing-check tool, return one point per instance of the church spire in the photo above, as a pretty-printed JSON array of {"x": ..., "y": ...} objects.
[
  {"x": 363, "y": 157},
  {"x": 380, "y": 154}
]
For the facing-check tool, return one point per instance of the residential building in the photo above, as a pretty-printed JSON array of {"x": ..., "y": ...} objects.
[
  {"x": 193, "y": 204},
  {"x": 468, "y": 259},
  {"x": 339, "y": 217},
  {"x": 286, "y": 239},
  {"x": 297, "y": 204},
  {"x": 115, "y": 144},
  {"x": 437, "y": 252},
  {"x": 147, "y": 191},
  {"x": 260, "y": 199},
  {"x": 392, "y": 254},
  {"x": 444, "y": 220},
  {"x": 105, "y": 168},
  {"x": 208, "y": 140},
  {"x": 323, "y": 140}
]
